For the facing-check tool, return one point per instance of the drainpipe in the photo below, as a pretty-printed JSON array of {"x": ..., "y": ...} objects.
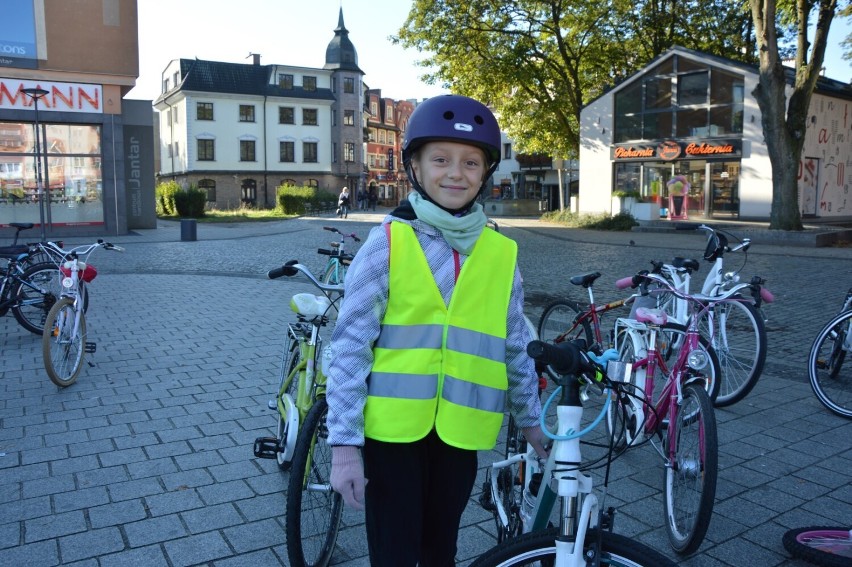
[{"x": 265, "y": 150}]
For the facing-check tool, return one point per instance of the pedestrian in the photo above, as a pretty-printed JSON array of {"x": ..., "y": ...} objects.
[
  {"x": 362, "y": 199},
  {"x": 343, "y": 203},
  {"x": 373, "y": 198},
  {"x": 429, "y": 345}
]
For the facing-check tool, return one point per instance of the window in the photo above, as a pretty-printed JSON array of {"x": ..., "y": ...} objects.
[
  {"x": 389, "y": 113},
  {"x": 381, "y": 136},
  {"x": 348, "y": 84},
  {"x": 692, "y": 89},
  {"x": 286, "y": 115},
  {"x": 309, "y": 116},
  {"x": 204, "y": 111},
  {"x": 309, "y": 83},
  {"x": 507, "y": 151},
  {"x": 349, "y": 151},
  {"x": 247, "y": 150},
  {"x": 374, "y": 108},
  {"x": 309, "y": 152},
  {"x": 658, "y": 93},
  {"x": 285, "y": 81},
  {"x": 209, "y": 187},
  {"x": 311, "y": 183},
  {"x": 246, "y": 113},
  {"x": 176, "y": 77},
  {"x": 206, "y": 150},
  {"x": 391, "y": 138},
  {"x": 166, "y": 86},
  {"x": 349, "y": 118},
  {"x": 286, "y": 151},
  {"x": 169, "y": 117},
  {"x": 288, "y": 183},
  {"x": 175, "y": 114}
]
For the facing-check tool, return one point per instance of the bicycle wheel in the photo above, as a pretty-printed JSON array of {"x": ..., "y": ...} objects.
[
  {"x": 826, "y": 546},
  {"x": 739, "y": 340},
  {"x": 830, "y": 380},
  {"x": 334, "y": 273},
  {"x": 290, "y": 360},
  {"x": 690, "y": 476},
  {"x": 313, "y": 509},
  {"x": 510, "y": 486},
  {"x": 63, "y": 348},
  {"x": 539, "y": 549},
  {"x": 31, "y": 305},
  {"x": 559, "y": 322}
]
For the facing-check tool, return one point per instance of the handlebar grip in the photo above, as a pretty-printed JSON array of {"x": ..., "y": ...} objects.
[
  {"x": 325, "y": 252},
  {"x": 766, "y": 295},
  {"x": 329, "y": 228},
  {"x": 285, "y": 270},
  {"x": 624, "y": 283},
  {"x": 564, "y": 358},
  {"x": 355, "y": 238}
]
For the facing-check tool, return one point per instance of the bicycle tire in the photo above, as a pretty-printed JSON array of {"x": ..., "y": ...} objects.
[
  {"x": 740, "y": 344},
  {"x": 63, "y": 350},
  {"x": 31, "y": 306},
  {"x": 690, "y": 481},
  {"x": 826, "y": 546},
  {"x": 538, "y": 548},
  {"x": 334, "y": 273},
  {"x": 313, "y": 515},
  {"x": 830, "y": 379},
  {"x": 559, "y": 322},
  {"x": 289, "y": 360}
]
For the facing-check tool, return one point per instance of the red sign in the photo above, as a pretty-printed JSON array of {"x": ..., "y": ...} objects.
[
  {"x": 65, "y": 97},
  {"x": 631, "y": 153},
  {"x": 704, "y": 149},
  {"x": 668, "y": 150}
]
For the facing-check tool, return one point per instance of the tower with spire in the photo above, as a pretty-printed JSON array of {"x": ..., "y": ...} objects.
[{"x": 347, "y": 130}]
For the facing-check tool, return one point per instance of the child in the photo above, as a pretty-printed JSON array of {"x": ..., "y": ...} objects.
[{"x": 429, "y": 344}]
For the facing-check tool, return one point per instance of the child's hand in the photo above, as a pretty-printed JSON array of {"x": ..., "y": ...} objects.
[{"x": 347, "y": 475}]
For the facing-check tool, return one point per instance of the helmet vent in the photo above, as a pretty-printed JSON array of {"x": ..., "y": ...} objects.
[
  {"x": 449, "y": 115},
  {"x": 478, "y": 119}
]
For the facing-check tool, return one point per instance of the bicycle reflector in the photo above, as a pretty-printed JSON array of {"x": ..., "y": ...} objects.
[{"x": 87, "y": 271}]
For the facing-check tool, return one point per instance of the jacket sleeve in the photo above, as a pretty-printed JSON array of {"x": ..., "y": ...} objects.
[{"x": 524, "y": 402}]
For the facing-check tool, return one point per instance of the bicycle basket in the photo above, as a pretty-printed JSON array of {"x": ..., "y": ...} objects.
[{"x": 87, "y": 271}]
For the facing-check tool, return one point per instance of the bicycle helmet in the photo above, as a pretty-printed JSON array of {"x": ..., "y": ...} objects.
[{"x": 452, "y": 118}]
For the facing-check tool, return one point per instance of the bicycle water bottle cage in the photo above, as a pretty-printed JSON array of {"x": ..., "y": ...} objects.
[
  {"x": 585, "y": 280},
  {"x": 716, "y": 245},
  {"x": 309, "y": 305},
  {"x": 653, "y": 316}
]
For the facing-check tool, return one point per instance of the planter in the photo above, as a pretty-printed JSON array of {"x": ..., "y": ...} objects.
[
  {"x": 646, "y": 211},
  {"x": 622, "y": 204}
]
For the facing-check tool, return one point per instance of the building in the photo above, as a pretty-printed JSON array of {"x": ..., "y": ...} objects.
[
  {"x": 79, "y": 59},
  {"x": 685, "y": 133},
  {"x": 238, "y": 131},
  {"x": 386, "y": 123}
]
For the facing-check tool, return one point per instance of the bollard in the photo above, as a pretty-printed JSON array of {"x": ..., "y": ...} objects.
[{"x": 188, "y": 230}]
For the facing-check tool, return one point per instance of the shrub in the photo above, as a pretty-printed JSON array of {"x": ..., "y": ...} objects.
[
  {"x": 601, "y": 221},
  {"x": 291, "y": 200},
  {"x": 165, "y": 198},
  {"x": 190, "y": 202}
]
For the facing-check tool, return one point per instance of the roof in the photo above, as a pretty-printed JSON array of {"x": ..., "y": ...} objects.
[{"x": 199, "y": 75}]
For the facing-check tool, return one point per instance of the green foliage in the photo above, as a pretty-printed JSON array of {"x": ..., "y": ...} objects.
[
  {"x": 165, "y": 198},
  {"x": 291, "y": 200},
  {"x": 190, "y": 203},
  {"x": 601, "y": 221}
]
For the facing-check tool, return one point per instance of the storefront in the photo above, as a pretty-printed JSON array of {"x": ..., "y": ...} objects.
[{"x": 685, "y": 133}]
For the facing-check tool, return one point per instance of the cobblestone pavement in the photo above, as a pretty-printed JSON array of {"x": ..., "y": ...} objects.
[{"x": 147, "y": 460}]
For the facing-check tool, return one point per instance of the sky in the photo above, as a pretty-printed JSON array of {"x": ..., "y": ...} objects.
[{"x": 297, "y": 32}]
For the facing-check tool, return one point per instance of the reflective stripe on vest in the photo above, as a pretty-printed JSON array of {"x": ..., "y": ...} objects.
[{"x": 426, "y": 348}]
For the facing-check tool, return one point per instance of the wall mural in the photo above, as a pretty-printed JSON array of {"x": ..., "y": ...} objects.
[{"x": 825, "y": 171}]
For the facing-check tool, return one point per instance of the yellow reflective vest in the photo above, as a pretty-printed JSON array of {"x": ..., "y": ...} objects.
[{"x": 439, "y": 366}]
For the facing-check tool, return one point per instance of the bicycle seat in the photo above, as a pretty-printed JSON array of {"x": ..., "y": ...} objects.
[
  {"x": 688, "y": 264},
  {"x": 654, "y": 316},
  {"x": 310, "y": 305},
  {"x": 585, "y": 280}
]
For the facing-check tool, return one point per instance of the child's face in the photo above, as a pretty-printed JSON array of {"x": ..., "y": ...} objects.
[{"x": 450, "y": 173}]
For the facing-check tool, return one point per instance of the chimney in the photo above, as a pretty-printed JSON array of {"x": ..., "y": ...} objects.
[{"x": 255, "y": 58}]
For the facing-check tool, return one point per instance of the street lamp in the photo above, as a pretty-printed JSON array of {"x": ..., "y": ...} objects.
[{"x": 36, "y": 93}]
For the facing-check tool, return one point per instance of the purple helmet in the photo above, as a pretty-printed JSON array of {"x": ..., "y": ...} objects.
[{"x": 453, "y": 118}]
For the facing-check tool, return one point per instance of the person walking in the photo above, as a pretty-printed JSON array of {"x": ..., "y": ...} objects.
[
  {"x": 373, "y": 197},
  {"x": 429, "y": 345},
  {"x": 343, "y": 203},
  {"x": 362, "y": 199}
]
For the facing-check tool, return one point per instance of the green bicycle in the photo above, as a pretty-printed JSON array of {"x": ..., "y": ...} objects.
[{"x": 313, "y": 509}]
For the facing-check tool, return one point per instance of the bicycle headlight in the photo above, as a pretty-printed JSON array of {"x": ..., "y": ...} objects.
[{"x": 697, "y": 359}]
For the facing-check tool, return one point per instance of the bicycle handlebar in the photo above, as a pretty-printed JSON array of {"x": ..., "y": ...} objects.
[
  {"x": 334, "y": 230},
  {"x": 564, "y": 358},
  {"x": 293, "y": 267}
]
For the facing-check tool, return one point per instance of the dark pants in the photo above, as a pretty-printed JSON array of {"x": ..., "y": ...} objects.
[{"x": 415, "y": 496}]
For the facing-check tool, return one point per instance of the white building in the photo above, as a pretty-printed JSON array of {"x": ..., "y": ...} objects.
[
  {"x": 239, "y": 131},
  {"x": 685, "y": 133}
]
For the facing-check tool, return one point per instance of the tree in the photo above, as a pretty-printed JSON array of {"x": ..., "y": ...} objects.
[
  {"x": 784, "y": 124},
  {"x": 538, "y": 62}
]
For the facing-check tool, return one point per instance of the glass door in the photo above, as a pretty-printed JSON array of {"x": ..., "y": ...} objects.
[{"x": 724, "y": 189}]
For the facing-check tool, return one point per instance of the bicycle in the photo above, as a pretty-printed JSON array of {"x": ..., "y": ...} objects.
[
  {"x": 829, "y": 379},
  {"x": 29, "y": 291},
  {"x": 565, "y": 320},
  {"x": 338, "y": 258},
  {"x": 313, "y": 509},
  {"x": 64, "y": 343},
  {"x": 739, "y": 338},
  {"x": 524, "y": 501},
  {"x": 827, "y": 546},
  {"x": 39, "y": 252},
  {"x": 682, "y": 406}
]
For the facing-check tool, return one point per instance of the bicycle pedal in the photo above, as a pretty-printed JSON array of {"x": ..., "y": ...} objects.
[
  {"x": 90, "y": 347},
  {"x": 266, "y": 448}
]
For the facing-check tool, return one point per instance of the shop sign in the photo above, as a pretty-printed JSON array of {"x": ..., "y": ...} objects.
[
  {"x": 671, "y": 149},
  {"x": 61, "y": 97}
]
